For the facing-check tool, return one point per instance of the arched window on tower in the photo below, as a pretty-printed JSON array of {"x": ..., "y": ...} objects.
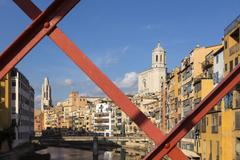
[
  {"x": 156, "y": 58},
  {"x": 160, "y": 58},
  {"x": 144, "y": 83}
]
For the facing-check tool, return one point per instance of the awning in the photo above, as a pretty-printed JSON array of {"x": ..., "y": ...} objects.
[{"x": 190, "y": 154}]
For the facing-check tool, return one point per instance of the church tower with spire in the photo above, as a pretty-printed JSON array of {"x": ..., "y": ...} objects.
[
  {"x": 46, "y": 97},
  {"x": 151, "y": 81}
]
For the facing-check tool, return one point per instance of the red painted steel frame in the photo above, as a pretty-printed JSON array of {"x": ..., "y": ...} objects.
[
  {"x": 40, "y": 27},
  {"x": 44, "y": 24}
]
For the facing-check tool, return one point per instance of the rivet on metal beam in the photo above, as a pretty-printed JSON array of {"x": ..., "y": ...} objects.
[
  {"x": 46, "y": 25},
  {"x": 167, "y": 145}
]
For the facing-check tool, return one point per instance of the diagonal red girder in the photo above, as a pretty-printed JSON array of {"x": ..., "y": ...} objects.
[
  {"x": 40, "y": 27},
  {"x": 32, "y": 36},
  {"x": 226, "y": 86}
]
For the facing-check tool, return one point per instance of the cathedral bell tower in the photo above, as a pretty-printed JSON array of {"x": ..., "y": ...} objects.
[{"x": 158, "y": 57}]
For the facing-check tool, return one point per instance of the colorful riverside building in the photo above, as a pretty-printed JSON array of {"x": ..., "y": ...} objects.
[
  {"x": 208, "y": 135},
  {"x": 5, "y": 109},
  {"x": 231, "y": 111},
  {"x": 191, "y": 69},
  {"x": 173, "y": 109}
]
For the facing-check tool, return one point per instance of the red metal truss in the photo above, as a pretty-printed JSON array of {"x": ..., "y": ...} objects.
[
  {"x": 45, "y": 24},
  {"x": 40, "y": 27}
]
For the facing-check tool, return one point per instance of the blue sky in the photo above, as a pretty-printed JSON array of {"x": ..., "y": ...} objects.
[{"x": 119, "y": 37}]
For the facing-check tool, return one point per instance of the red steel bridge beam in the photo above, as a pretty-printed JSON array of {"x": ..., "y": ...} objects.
[
  {"x": 40, "y": 27},
  {"x": 227, "y": 84},
  {"x": 45, "y": 24}
]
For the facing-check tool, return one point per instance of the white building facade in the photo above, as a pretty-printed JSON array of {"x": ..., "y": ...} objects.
[
  {"x": 103, "y": 120},
  {"x": 22, "y": 104},
  {"x": 46, "y": 97},
  {"x": 218, "y": 66},
  {"x": 151, "y": 81}
]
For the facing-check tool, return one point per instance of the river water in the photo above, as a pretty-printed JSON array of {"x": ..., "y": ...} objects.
[{"x": 59, "y": 153}]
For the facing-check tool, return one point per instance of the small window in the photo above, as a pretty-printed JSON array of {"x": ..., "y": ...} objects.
[
  {"x": 13, "y": 83},
  {"x": 144, "y": 83},
  {"x": 160, "y": 58},
  {"x": 156, "y": 58},
  {"x": 13, "y": 96},
  {"x": 217, "y": 59},
  {"x": 226, "y": 67},
  {"x": 225, "y": 44},
  {"x": 231, "y": 66},
  {"x": 236, "y": 61}
]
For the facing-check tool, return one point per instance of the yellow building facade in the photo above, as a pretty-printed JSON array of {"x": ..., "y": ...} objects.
[
  {"x": 209, "y": 141},
  {"x": 174, "y": 109},
  {"x": 231, "y": 112},
  {"x": 210, "y": 134},
  {"x": 5, "y": 111},
  {"x": 5, "y": 98},
  {"x": 191, "y": 69}
]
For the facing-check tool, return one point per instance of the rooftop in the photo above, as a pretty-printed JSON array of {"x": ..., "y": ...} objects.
[{"x": 232, "y": 25}]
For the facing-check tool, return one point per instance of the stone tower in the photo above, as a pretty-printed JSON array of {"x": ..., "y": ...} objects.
[
  {"x": 151, "y": 80},
  {"x": 46, "y": 99},
  {"x": 158, "y": 57}
]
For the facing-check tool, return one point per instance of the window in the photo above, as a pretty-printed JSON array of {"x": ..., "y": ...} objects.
[
  {"x": 197, "y": 87},
  {"x": 236, "y": 61},
  {"x": 215, "y": 123},
  {"x": 144, "y": 83},
  {"x": 13, "y": 96},
  {"x": 156, "y": 58},
  {"x": 218, "y": 150},
  {"x": 161, "y": 58},
  {"x": 228, "y": 100},
  {"x": 225, "y": 44},
  {"x": 210, "y": 156},
  {"x": 237, "y": 120},
  {"x": 235, "y": 35},
  {"x": 13, "y": 83},
  {"x": 231, "y": 66},
  {"x": 220, "y": 120},
  {"x": 237, "y": 148},
  {"x": 179, "y": 77},
  {"x": 226, "y": 67},
  {"x": 216, "y": 78},
  {"x": 203, "y": 125},
  {"x": 217, "y": 59}
]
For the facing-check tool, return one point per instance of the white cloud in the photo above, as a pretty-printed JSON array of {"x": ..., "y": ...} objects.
[
  {"x": 151, "y": 26},
  {"x": 111, "y": 56},
  {"x": 129, "y": 80},
  {"x": 68, "y": 82},
  {"x": 125, "y": 49},
  {"x": 107, "y": 60}
]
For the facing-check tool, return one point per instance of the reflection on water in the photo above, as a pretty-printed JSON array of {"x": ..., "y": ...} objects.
[{"x": 58, "y": 153}]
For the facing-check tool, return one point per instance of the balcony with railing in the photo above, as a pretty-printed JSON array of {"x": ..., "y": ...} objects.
[
  {"x": 186, "y": 110},
  {"x": 101, "y": 114},
  {"x": 207, "y": 63},
  {"x": 234, "y": 49}
]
